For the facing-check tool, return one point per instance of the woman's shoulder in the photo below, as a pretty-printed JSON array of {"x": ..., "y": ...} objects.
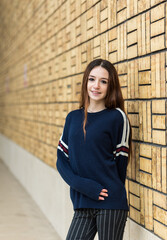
[
  {"x": 121, "y": 112},
  {"x": 117, "y": 114},
  {"x": 74, "y": 113}
]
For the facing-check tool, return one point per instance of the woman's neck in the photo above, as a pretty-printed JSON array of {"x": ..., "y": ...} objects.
[{"x": 95, "y": 107}]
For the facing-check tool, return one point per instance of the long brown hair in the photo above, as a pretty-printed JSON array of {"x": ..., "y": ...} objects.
[{"x": 113, "y": 98}]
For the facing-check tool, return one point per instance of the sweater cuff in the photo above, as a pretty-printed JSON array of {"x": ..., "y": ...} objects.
[
  {"x": 95, "y": 193},
  {"x": 89, "y": 187}
]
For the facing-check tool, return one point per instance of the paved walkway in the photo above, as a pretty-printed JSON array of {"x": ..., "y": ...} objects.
[{"x": 20, "y": 217}]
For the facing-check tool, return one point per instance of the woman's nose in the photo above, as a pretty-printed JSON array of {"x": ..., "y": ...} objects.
[{"x": 96, "y": 84}]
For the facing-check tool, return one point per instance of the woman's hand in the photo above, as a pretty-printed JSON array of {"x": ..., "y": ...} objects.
[{"x": 103, "y": 193}]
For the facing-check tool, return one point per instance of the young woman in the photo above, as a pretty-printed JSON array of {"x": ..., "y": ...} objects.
[{"x": 93, "y": 154}]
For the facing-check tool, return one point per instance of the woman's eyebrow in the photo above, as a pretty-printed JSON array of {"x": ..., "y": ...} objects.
[{"x": 101, "y": 78}]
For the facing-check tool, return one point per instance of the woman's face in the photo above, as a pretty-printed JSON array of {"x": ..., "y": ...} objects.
[{"x": 97, "y": 84}]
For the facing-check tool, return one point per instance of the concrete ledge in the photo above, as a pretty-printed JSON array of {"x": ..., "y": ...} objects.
[{"x": 50, "y": 192}]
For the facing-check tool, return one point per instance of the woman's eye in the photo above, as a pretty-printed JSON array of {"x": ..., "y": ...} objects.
[{"x": 104, "y": 82}]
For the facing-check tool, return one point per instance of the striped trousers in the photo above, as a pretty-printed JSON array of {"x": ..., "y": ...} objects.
[{"x": 108, "y": 223}]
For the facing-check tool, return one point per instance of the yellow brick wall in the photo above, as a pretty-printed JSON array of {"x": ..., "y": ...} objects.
[{"x": 45, "y": 46}]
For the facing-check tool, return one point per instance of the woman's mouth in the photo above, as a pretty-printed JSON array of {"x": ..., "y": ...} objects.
[{"x": 95, "y": 93}]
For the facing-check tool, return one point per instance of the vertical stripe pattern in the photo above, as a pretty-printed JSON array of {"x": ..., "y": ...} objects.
[
  {"x": 108, "y": 223},
  {"x": 123, "y": 147},
  {"x": 63, "y": 147}
]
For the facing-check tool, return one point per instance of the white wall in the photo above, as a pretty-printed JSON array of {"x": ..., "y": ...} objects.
[
  {"x": 41, "y": 181},
  {"x": 49, "y": 191}
]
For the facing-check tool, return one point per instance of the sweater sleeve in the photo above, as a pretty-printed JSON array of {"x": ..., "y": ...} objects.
[
  {"x": 85, "y": 186},
  {"x": 121, "y": 144}
]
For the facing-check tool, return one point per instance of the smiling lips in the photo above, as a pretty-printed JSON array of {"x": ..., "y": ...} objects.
[{"x": 95, "y": 92}]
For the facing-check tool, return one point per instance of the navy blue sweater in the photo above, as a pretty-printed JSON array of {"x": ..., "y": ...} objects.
[{"x": 99, "y": 161}]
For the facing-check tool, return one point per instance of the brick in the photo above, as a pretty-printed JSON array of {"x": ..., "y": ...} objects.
[
  {"x": 104, "y": 16},
  {"x": 121, "y": 16},
  {"x": 133, "y": 167},
  {"x": 135, "y": 214},
  {"x": 124, "y": 93},
  {"x": 133, "y": 106},
  {"x": 132, "y": 38},
  {"x": 122, "y": 68},
  {"x": 160, "y": 200},
  {"x": 135, "y": 133},
  {"x": 113, "y": 34},
  {"x": 132, "y": 51},
  {"x": 145, "y": 77},
  {"x": 139, "y": 36},
  {"x": 160, "y": 215},
  {"x": 142, "y": 210},
  {"x": 158, "y": 122},
  {"x": 112, "y": 14},
  {"x": 97, "y": 19},
  {"x": 134, "y": 119},
  {"x": 123, "y": 80},
  {"x": 159, "y": 137},
  {"x": 113, "y": 46},
  {"x": 121, "y": 5},
  {"x": 83, "y": 27},
  {"x": 156, "y": 76},
  {"x": 133, "y": 172},
  {"x": 122, "y": 45},
  {"x": 145, "y": 121},
  {"x": 96, "y": 52},
  {"x": 154, "y": 167},
  {"x": 145, "y": 150},
  {"x": 83, "y": 5},
  {"x": 137, "y": 174},
  {"x": 113, "y": 57},
  {"x": 89, "y": 23},
  {"x": 157, "y": 43},
  {"x": 146, "y": 179},
  {"x": 157, "y": 12},
  {"x": 96, "y": 41},
  {"x": 143, "y": 5},
  {"x": 135, "y": 201},
  {"x": 145, "y": 91},
  {"x": 104, "y": 46},
  {"x": 134, "y": 188},
  {"x": 145, "y": 165},
  {"x": 164, "y": 170},
  {"x": 132, "y": 23},
  {"x": 157, "y": 27},
  {"x": 133, "y": 87},
  {"x": 103, "y": 5},
  {"x": 148, "y": 44},
  {"x": 158, "y": 106},
  {"x": 144, "y": 34},
  {"x": 160, "y": 229},
  {"x": 148, "y": 214},
  {"x": 157, "y": 168}
]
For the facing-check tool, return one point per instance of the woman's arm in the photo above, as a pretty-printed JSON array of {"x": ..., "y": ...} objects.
[
  {"x": 86, "y": 186},
  {"x": 121, "y": 144}
]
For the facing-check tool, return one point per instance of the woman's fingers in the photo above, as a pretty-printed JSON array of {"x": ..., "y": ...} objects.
[
  {"x": 104, "y": 190},
  {"x": 101, "y": 198},
  {"x": 103, "y": 193}
]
